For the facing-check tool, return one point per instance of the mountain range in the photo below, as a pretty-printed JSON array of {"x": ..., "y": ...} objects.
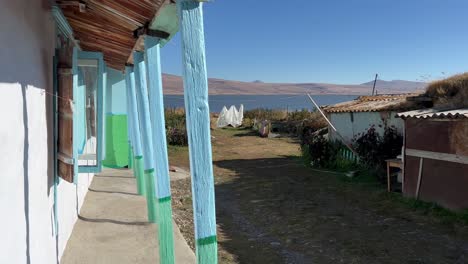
[{"x": 173, "y": 85}]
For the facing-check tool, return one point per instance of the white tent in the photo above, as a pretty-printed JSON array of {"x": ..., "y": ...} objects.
[{"x": 231, "y": 117}]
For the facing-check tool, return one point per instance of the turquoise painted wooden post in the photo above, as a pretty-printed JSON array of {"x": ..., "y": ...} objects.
[
  {"x": 100, "y": 110},
  {"x": 163, "y": 188},
  {"x": 146, "y": 132},
  {"x": 129, "y": 128},
  {"x": 133, "y": 116},
  {"x": 198, "y": 128},
  {"x": 103, "y": 116}
]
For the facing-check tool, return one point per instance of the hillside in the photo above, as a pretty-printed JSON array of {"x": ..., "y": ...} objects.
[
  {"x": 397, "y": 85},
  {"x": 173, "y": 85}
]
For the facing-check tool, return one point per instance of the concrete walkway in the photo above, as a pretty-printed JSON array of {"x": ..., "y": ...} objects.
[{"x": 113, "y": 227}]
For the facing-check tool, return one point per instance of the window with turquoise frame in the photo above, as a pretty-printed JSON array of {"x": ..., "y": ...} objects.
[{"x": 89, "y": 86}]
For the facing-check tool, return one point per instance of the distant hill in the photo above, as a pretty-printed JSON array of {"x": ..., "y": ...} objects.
[
  {"x": 399, "y": 86},
  {"x": 173, "y": 85}
]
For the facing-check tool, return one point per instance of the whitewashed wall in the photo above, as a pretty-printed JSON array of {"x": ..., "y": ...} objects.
[
  {"x": 349, "y": 127},
  {"x": 26, "y": 136}
]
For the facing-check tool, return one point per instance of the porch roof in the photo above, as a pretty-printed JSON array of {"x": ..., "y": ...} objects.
[{"x": 111, "y": 26}]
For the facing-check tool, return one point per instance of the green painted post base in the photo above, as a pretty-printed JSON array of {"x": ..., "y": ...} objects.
[
  {"x": 150, "y": 195},
  {"x": 207, "y": 250},
  {"x": 133, "y": 166},
  {"x": 140, "y": 176},
  {"x": 165, "y": 231},
  {"x": 130, "y": 156}
]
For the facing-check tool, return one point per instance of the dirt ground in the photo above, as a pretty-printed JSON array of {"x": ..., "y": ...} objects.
[{"x": 273, "y": 209}]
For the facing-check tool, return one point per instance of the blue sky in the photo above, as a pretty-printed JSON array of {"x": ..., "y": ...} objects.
[{"x": 333, "y": 41}]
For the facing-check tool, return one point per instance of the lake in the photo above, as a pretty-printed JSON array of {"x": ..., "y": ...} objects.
[{"x": 290, "y": 102}]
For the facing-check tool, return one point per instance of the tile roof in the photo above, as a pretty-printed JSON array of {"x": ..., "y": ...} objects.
[
  {"x": 377, "y": 103},
  {"x": 435, "y": 113}
]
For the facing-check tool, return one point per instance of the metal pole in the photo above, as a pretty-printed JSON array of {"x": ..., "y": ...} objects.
[{"x": 375, "y": 82}]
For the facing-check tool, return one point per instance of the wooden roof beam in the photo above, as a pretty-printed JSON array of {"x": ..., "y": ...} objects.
[
  {"x": 77, "y": 3},
  {"x": 141, "y": 32},
  {"x": 150, "y": 32}
]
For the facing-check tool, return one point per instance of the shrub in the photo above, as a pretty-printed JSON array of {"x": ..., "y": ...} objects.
[
  {"x": 392, "y": 143},
  {"x": 293, "y": 123},
  {"x": 265, "y": 114},
  {"x": 176, "y": 132},
  {"x": 374, "y": 149},
  {"x": 176, "y": 136},
  {"x": 319, "y": 151},
  {"x": 368, "y": 147},
  {"x": 247, "y": 122},
  {"x": 275, "y": 115}
]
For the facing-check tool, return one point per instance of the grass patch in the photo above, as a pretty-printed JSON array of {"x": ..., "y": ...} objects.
[
  {"x": 445, "y": 216},
  {"x": 366, "y": 181},
  {"x": 175, "y": 148},
  {"x": 451, "y": 92},
  {"x": 363, "y": 177},
  {"x": 178, "y": 155}
]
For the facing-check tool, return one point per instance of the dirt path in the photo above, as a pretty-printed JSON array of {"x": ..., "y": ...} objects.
[{"x": 272, "y": 209}]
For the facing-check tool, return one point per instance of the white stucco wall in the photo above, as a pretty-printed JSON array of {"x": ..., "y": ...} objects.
[
  {"x": 350, "y": 127},
  {"x": 26, "y": 137}
]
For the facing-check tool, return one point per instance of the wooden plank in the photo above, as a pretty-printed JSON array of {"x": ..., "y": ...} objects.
[
  {"x": 65, "y": 171},
  {"x": 198, "y": 128},
  {"x": 418, "y": 187},
  {"x": 65, "y": 112},
  {"x": 65, "y": 71},
  {"x": 65, "y": 159},
  {"x": 437, "y": 156},
  {"x": 151, "y": 32},
  {"x": 65, "y": 136},
  {"x": 163, "y": 188},
  {"x": 389, "y": 187}
]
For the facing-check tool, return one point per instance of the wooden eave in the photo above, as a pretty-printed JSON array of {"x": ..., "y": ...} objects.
[{"x": 108, "y": 26}]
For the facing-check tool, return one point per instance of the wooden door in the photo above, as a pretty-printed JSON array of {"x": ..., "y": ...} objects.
[{"x": 67, "y": 166}]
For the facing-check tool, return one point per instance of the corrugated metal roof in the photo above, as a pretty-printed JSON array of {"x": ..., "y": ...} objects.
[
  {"x": 435, "y": 113},
  {"x": 377, "y": 103}
]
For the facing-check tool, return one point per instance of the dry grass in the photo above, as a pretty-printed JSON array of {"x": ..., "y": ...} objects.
[
  {"x": 272, "y": 209},
  {"x": 451, "y": 92},
  {"x": 316, "y": 121}
]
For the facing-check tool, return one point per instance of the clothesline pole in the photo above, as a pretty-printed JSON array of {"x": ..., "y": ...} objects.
[{"x": 331, "y": 125}]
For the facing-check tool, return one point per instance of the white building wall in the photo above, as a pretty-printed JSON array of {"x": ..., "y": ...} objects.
[
  {"x": 27, "y": 33},
  {"x": 350, "y": 125}
]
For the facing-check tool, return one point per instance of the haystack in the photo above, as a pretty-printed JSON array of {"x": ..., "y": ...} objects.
[{"x": 449, "y": 93}]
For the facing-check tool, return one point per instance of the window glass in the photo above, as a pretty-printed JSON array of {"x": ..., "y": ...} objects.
[{"x": 87, "y": 111}]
